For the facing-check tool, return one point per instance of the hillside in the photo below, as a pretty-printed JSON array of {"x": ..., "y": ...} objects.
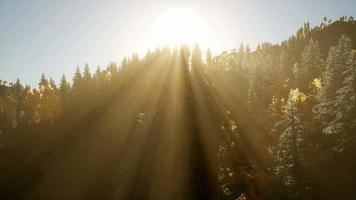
[{"x": 275, "y": 123}]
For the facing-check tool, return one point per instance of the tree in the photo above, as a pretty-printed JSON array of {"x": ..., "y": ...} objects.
[
  {"x": 77, "y": 81},
  {"x": 52, "y": 84},
  {"x": 64, "y": 90},
  {"x": 247, "y": 58},
  {"x": 311, "y": 65},
  {"x": 86, "y": 73},
  {"x": 337, "y": 94},
  {"x": 48, "y": 105},
  {"x": 287, "y": 153},
  {"x": 345, "y": 98},
  {"x": 28, "y": 107},
  {"x": 209, "y": 60},
  {"x": 196, "y": 60},
  {"x": 43, "y": 81},
  {"x": 240, "y": 56},
  {"x": 87, "y": 83},
  {"x": 252, "y": 93},
  {"x": 16, "y": 99}
]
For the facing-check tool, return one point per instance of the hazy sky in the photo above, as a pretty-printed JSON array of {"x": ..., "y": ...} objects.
[{"x": 54, "y": 36}]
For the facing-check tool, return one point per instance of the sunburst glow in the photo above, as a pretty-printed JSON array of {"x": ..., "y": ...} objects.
[{"x": 177, "y": 26}]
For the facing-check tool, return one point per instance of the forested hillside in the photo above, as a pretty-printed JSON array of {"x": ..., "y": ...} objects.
[{"x": 277, "y": 122}]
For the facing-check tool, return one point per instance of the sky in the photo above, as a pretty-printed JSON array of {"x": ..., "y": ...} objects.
[{"x": 54, "y": 37}]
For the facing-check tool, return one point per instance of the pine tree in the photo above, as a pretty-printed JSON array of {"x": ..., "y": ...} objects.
[
  {"x": 240, "y": 56},
  {"x": 209, "y": 60},
  {"x": 86, "y": 73},
  {"x": 252, "y": 93},
  {"x": 77, "y": 79},
  {"x": 257, "y": 87},
  {"x": 113, "y": 70},
  {"x": 134, "y": 59},
  {"x": 324, "y": 109},
  {"x": 345, "y": 98},
  {"x": 124, "y": 63},
  {"x": 185, "y": 55},
  {"x": 17, "y": 97},
  {"x": 196, "y": 59},
  {"x": 44, "y": 99},
  {"x": 247, "y": 58},
  {"x": 52, "y": 84},
  {"x": 27, "y": 107},
  {"x": 287, "y": 153},
  {"x": 98, "y": 76},
  {"x": 43, "y": 81},
  {"x": 87, "y": 84},
  {"x": 64, "y": 89},
  {"x": 311, "y": 65},
  {"x": 337, "y": 94}
]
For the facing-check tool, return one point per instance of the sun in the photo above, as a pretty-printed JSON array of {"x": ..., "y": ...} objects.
[{"x": 179, "y": 26}]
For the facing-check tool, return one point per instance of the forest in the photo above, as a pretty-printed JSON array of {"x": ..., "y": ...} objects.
[{"x": 276, "y": 122}]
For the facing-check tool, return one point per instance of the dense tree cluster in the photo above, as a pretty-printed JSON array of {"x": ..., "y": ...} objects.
[{"x": 278, "y": 122}]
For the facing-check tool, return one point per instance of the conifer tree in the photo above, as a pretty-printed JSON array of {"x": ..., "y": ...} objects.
[
  {"x": 287, "y": 153},
  {"x": 43, "y": 81},
  {"x": 311, "y": 65},
  {"x": 86, "y": 73},
  {"x": 337, "y": 94},
  {"x": 77, "y": 79},
  {"x": 52, "y": 84},
  {"x": 240, "y": 56},
  {"x": 247, "y": 59},
  {"x": 64, "y": 90},
  {"x": 17, "y": 94},
  {"x": 196, "y": 60},
  {"x": 209, "y": 60},
  {"x": 252, "y": 93},
  {"x": 345, "y": 97}
]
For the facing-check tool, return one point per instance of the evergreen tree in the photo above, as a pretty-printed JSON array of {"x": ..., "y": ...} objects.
[
  {"x": 77, "y": 79},
  {"x": 332, "y": 97},
  {"x": 345, "y": 98},
  {"x": 52, "y": 84},
  {"x": 337, "y": 96},
  {"x": 112, "y": 69},
  {"x": 48, "y": 101},
  {"x": 86, "y": 73},
  {"x": 28, "y": 108},
  {"x": 17, "y": 93},
  {"x": 124, "y": 63},
  {"x": 196, "y": 60},
  {"x": 43, "y": 81},
  {"x": 247, "y": 59},
  {"x": 311, "y": 65},
  {"x": 87, "y": 83},
  {"x": 252, "y": 93},
  {"x": 64, "y": 90},
  {"x": 240, "y": 56},
  {"x": 209, "y": 60},
  {"x": 287, "y": 153}
]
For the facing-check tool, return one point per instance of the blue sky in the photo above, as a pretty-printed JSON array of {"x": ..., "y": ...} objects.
[{"x": 54, "y": 37}]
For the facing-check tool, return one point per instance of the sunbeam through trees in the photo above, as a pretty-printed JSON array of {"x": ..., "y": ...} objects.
[{"x": 275, "y": 122}]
